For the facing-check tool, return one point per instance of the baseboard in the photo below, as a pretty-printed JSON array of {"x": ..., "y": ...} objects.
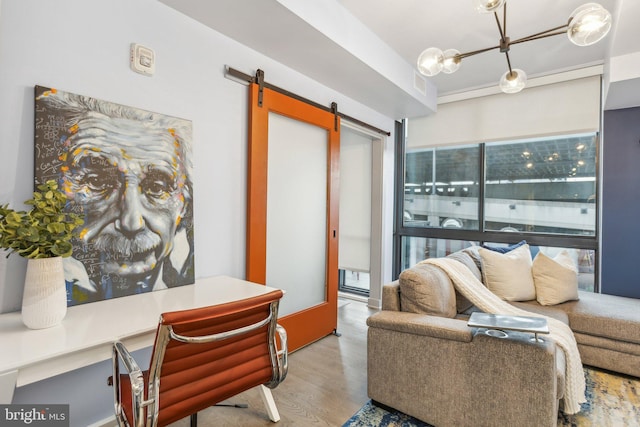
[
  {"x": 374, "y": 303},
  {"x": 347, "y": 295}
]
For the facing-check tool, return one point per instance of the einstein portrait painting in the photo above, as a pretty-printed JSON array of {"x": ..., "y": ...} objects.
[{"x": 129, "y": 171}]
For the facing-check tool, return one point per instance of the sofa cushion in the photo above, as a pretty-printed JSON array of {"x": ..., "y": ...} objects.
[
  {"x": 509, "y": 275},
  {"x": 625, "y": 347},
  {"x": 555, "y": 279},
  {"x": 605, "y": 316},
  {"x": 427, "y": 289},
  {"x": 549, "y": 311}
]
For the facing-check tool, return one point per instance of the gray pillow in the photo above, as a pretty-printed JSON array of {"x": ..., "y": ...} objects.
[{"x": 466, "y": 256}]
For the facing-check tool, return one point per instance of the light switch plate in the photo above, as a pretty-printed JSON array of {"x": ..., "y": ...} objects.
[{"x": 142, "y": 59}]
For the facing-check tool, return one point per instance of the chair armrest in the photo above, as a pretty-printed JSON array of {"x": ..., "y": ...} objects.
[
  {"x": 130, "y": 364},
  {"x": 279, "y": 358},
  {"x": 136, "y": 379},
  {"x": 421, "y": 324},
  {"x": 283, "y": 354}
]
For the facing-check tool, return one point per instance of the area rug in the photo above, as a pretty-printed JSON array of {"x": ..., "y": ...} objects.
[{"x": 612, "y": 401}]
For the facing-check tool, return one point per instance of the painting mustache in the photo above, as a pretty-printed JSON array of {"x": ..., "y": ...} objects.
[{"x": 121, "y": 247}]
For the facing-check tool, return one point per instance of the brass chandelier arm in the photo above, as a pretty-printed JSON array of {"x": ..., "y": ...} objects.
[
  {"x": 506, "y": 54},
  {"x": 592, "y": 23},
  {"x": 504, "y": 19},
  {"x": 561, "y": 29},
  {"x": 542, "y": 35},
  {"x": 475, "y": 52},
  {"x": 502, "y": 35},
  {"x": 504, "y": 45}
]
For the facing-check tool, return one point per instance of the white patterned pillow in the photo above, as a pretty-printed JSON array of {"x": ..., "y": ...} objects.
[{"x": 509, "y": 275}]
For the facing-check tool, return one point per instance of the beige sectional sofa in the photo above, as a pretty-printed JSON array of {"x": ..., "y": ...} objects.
[{"x": 425, "y": 361}]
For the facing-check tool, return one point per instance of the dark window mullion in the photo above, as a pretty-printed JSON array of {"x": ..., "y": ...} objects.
[
  {"x": 399, "y": 196},
  {"x": 481, "y": 186}
]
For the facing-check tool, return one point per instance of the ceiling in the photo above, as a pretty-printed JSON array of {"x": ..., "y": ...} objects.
[
  {"x": 354, "y": 46},
  {"x": 410, "y": 26}
]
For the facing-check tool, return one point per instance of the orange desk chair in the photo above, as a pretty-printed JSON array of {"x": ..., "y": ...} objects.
[{"x": 201, "y": 357}]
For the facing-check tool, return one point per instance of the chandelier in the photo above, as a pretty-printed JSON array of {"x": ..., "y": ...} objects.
[{"x": 587, "y": 25}]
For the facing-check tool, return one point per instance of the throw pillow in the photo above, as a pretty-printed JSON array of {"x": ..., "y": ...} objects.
[
  {"x": 508, "y": 275},
  {"x": 472, "y": 251},
  {"x": 426, "y": 289},
  {"x": 505, "y": 249},
  {"x": 555, "y": 279},
  {"x": 466, "y": 258}
]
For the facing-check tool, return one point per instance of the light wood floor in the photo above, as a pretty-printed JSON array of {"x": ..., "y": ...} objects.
[{"x": 326, "y": 384}]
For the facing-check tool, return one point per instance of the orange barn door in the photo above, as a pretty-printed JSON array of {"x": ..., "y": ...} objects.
[{"x": 292, "y": 210}]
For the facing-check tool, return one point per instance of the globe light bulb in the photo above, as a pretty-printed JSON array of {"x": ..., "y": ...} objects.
[
  {"x": 588, "y": 24},
  {"x": 514, "y": 81},
  {"x": 451, "y": 61},
  {"x": 430, "y": 61},
  {"x": 487, "y": 6}
]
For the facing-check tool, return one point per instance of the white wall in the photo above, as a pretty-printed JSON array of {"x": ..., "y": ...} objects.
[{"x": 82, "y": 46}]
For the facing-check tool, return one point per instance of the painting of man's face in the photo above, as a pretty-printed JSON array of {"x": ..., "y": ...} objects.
[{"x": 129, "y": 172}]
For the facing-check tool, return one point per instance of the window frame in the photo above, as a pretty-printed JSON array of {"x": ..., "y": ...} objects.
[{"x": 481, "y": 235}]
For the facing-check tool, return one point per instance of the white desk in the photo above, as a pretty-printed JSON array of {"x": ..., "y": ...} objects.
[{"x": 88, "y": 331}]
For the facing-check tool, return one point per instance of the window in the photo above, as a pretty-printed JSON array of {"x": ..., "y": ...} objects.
[
  {"x": 542, "y": 190},
  {"x": 416, "y": 249},
  {"x": 543, "y": 185},
  {"x": 441, "y": 188}
]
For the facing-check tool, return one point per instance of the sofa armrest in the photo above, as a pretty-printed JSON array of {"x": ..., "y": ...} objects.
[
  {"x": 447, "y": 374},
  {"x": 391, "y": 296},
  {"x": 421, "y": 324}
]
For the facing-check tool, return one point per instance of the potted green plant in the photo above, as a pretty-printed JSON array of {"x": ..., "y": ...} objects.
[{"x": 43, "y": 236}]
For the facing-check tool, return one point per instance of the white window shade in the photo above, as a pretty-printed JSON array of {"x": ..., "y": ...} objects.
[
  {"x": 354, "y": 250},
  {"x": 566, "y": 107}
]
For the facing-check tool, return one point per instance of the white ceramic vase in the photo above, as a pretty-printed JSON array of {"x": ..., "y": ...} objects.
[{"x": 44, "y": 302}]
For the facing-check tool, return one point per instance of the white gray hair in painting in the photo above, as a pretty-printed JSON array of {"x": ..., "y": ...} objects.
[{"x": 129, "y": 171}]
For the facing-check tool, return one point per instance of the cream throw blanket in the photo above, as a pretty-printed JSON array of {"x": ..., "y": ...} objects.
[{"x": 469, "y": 286}]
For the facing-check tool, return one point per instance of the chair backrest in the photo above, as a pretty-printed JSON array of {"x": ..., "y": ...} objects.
[{"x": 206, "y": 355}]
